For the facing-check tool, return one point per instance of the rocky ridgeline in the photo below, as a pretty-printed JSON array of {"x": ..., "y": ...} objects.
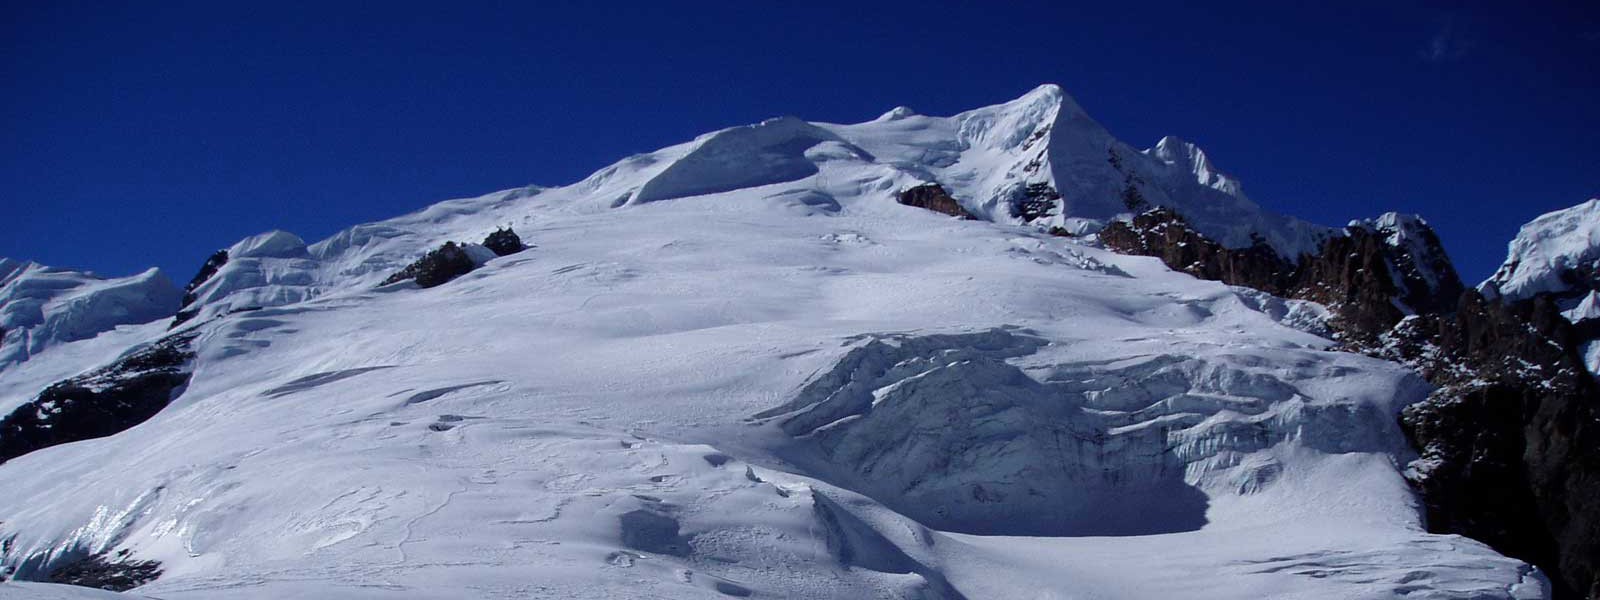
[
  {"x": 1509, "y": 441},
  {"x": 1360, "y": 275}
]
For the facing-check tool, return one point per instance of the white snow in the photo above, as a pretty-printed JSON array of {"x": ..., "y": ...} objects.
[
  {"x": 43, "y": 307},
  {"x": 1544, "y": 249},
  {"x": 29, "y": 590},
  {"x": 579, "y": 420},
  {"x": 272, "y": 244},
  {"x": 773, "y": 151}
]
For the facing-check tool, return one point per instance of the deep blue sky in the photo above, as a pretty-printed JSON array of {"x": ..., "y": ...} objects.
[{"x": 154, "y": 134}]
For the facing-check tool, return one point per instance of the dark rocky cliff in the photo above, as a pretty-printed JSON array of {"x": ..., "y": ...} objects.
[
  {"x": 1509, "y": 442},
  {"x": 101, "y": 402},
  {"x": 207, "y": 270}
]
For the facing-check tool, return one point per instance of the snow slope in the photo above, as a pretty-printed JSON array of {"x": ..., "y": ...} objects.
[
  {"x": 737, "y": 367},
  {"x": 48, "y": 591},
  {"x": 986, "y": 158}
]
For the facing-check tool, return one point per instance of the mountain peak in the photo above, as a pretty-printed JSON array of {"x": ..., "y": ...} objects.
[
  {"x": 1548, "y": 251},
  {"x": 896, "y": 113},
  {"x": 1047, "y": 90},
  {"x": 276, "y": 243}
]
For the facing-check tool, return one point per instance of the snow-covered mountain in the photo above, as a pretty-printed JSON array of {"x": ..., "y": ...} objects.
[
  {"x": 992, "y": 160},
  {"x": 740, "y": 366},
  {"x": 1557, "y": 254}
]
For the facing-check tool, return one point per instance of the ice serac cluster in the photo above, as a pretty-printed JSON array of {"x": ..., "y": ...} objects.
[
  {"x": 944, "y": 429},
  {"x": 42, "y": 306},
  {"x": 268, "y": 269}
]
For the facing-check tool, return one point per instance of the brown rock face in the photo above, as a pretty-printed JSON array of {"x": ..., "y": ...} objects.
[
  {"x": 437, "y": 267},
  {"x": 1163, "y": 233},
  {"x": 1355, "y": 275},
  {"x": 932, "y": 196},
  {"x": 1510, "y": 440},
  {"x": 1352, "y": 276}
]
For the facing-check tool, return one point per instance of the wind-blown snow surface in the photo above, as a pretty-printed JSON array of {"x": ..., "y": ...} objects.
[{"x": 701, "y": 387}]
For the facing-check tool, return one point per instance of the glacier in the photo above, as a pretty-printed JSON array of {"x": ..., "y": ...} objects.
[{"x": 737, "y": 367}]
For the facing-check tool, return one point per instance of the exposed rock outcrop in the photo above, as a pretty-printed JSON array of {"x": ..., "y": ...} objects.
[
  {"x": 932, "y": 196},
  {"x": 453, "y": 260},
  {"x": 1165, "y": 234},
  {"x": 1038, "y": 200},
  {"x": 504, "y": 242},
  {"x": 101, "y": 402},
  {"x": 207, "y": 270},
  {"x": 1370, "y": 277},
  {"x": 437, "y": 267},
  {"x": 117, "y": 573}
]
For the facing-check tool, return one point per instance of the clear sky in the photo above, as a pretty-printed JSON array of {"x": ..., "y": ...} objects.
[{"x": 155, "y": 133}]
